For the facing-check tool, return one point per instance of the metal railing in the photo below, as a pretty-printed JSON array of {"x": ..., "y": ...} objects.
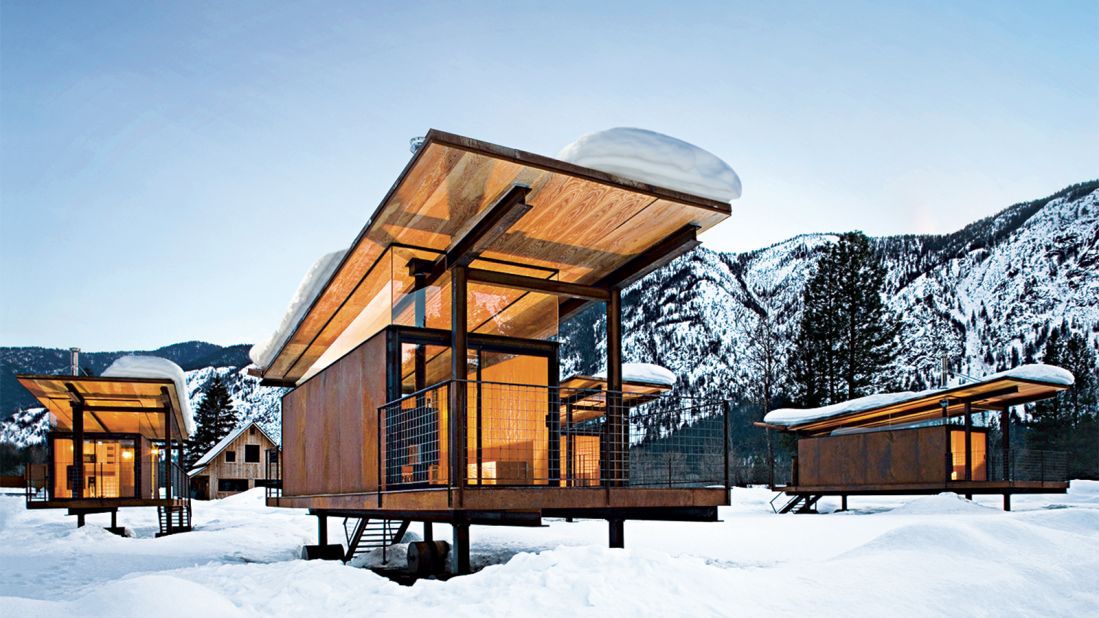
[
  {"x": 146, "y": 479},
  {"x": 37, "y": 482},
  {"x": 530, "y": 435},
  {"x": 273, "y": 474},
  {"x": 1029, "y": 465}
]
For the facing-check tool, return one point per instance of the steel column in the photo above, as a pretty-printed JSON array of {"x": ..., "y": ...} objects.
[
  {"x": 461, "y": 549},
  {"x": 77, "y": 479},
  {"x": 616, "y": 442},
  {"x": 459, "y": 373},
  {"x": 617, "y": 529}
]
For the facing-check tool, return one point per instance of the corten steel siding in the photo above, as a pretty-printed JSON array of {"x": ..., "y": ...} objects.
[
  {"x": 329, "y": 425},
  {"x": 875, "y": 458}
]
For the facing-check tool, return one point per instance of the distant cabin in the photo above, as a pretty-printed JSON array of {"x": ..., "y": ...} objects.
[{"x": 237, "y": 463}]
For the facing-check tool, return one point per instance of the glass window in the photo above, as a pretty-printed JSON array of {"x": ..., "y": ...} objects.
[
  {"x": 230, "y": 456},
  {"x": 229, "y": 485},
  {"x": 251, "y": 453}
]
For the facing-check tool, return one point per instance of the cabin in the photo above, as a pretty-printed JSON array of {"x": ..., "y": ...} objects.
[
  {"x": 238, "y": 462},
  {"x": 424, "y": 361},
  {"x": 115, "y": 441},
  {"x": 922, "y": 443}
]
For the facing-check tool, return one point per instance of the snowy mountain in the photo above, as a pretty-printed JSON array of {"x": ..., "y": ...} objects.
[{"x": 986, "y": 296}]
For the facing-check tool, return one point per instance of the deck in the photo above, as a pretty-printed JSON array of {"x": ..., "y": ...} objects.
[
  {"x": 103, "y": 503},
  {"x": 961, "y": 487},
  {"x": 547, "y": 501}
]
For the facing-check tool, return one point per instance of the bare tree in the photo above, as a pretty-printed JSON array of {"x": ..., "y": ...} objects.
[{"x": 765, "y": 358}]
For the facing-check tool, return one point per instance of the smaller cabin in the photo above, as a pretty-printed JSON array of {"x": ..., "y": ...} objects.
[
  {"x": 923, "y": 443},
  {"x": 115, "y": 441},
  {"x": 239, "y": 462}
]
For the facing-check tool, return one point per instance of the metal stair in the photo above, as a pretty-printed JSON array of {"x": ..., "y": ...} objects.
[
  {"x": 364, "y": 535},
  {"x": 803, "y": 503},
  {"x": 173, "y": 519}
]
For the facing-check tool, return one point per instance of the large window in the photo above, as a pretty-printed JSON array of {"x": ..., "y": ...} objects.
[
  {"x": 251, "y": 453},
  {"x": 232, "y": 484}
]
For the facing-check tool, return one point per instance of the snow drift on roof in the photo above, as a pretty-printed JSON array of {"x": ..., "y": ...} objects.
[
  {"x": 155, "y": 367},
  {"x": 1048, "y": 374},
  {"x": 310, "y": 287},
  {"x": 643, "y": 372},
  {"x": 656, "y": 159}
]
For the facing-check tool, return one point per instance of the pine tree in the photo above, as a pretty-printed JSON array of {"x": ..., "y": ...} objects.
[
  {"x": 847, "y": 336},
  {"x": 1070, "y": 421},
  {"x": 215, "y": 419}
]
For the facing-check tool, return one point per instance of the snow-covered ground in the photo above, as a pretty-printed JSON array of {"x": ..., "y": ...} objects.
[{"x": 937, "y": 555}]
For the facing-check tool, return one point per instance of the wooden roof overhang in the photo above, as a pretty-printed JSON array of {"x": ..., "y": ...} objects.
[
  {"x": 111, "y": 405},
  {"x": 993, "y": 395},
  {"x": 588, "y": 395},
  {"x": 469, "y": 199}
]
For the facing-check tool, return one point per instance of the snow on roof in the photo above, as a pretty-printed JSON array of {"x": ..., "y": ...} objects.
[
  {"x": 156, "y": 367},
  {"x": 643, "y": 372},
  {"x": 310, "y": 287},
  {"x": 657, "y": 159},
  {"x": 796, "y": 416},
  {"x": 216, "y": 450}
]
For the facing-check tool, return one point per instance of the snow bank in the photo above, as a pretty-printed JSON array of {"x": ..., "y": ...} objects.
[
  {"x": 656, "y": 159},
  {"x": 155, "y": 367},
  {"x": 643, "y": 372},
  {"x": 242, "y": 560},
  {"x": 1048, "y": 374},
  {"x": 310, "y": 287},
  {"x": 945, "y": 503}
]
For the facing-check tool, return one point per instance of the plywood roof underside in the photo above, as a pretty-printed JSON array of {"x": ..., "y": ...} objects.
[
  {"x": 583, "y": 225},
  {"x": 135, "y": 404},
  {"x": 993, "y": 395}
]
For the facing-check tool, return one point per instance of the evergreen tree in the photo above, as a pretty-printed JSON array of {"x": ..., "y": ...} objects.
[
  {"x": 214, "y": 419},
  {"x": 1070, "y": 421},
  {"x": 847, "y": 336}
]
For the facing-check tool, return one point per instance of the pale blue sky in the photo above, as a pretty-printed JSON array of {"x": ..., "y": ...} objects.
[{"x": 170, "y": 170}]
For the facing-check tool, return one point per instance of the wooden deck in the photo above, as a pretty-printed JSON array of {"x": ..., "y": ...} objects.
[
  {"x": 523, "y": 499},
  {"x": 961, "y": 487}
]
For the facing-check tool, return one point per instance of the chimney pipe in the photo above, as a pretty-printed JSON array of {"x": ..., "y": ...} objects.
[
  {"x": 74, "y": 361},
  {"x": 946, "y": 371}
]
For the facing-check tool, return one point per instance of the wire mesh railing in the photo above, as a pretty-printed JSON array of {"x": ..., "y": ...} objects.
[
  {"x": 273, "y": 474},
  {"x": 150, "y": 478},
  {"x": 531, "y": 435},
  {"x": 1028, "y": 465}
]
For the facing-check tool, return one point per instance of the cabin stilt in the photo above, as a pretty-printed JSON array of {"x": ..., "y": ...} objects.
[
  {"x": 617, "y": 533},
  {"x": 460, "y": 557}
]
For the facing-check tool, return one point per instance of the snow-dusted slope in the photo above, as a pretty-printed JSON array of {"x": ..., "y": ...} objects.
[{"x": 986, "y": 296}]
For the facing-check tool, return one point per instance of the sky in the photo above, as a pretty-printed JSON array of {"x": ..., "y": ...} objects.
[{"x": 169, "y": 171}]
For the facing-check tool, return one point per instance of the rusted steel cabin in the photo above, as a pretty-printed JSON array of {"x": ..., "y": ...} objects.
[
  {"x": 425, "y": 373},
  {"x": 922, "y": 444},
  {"x": 238, "y": 462},
  {"x": 113, "y": 442}
]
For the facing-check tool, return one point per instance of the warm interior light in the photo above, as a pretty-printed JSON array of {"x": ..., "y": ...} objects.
[{"x": 127, "y": 454}]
